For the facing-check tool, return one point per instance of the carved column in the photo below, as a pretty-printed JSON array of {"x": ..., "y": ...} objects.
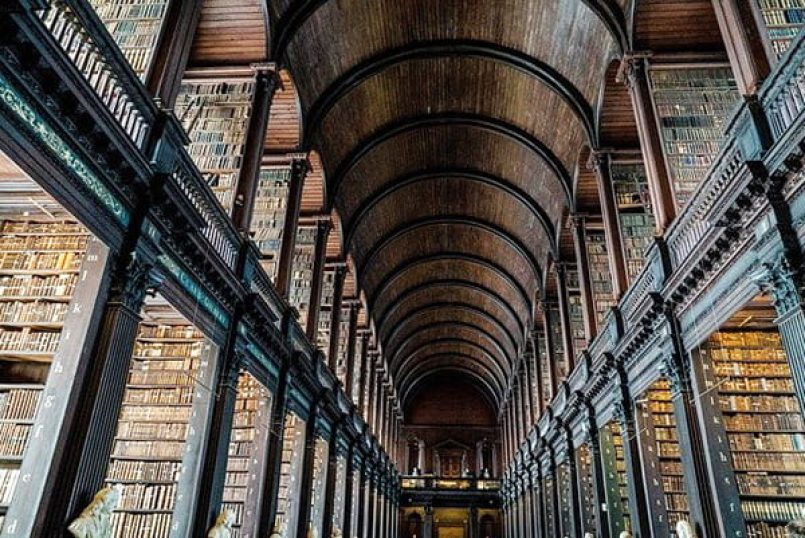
[
  {"x": 533, "y": 415},
  {"x": 173, "y": 51},
  {"x": 363, "y": 373},
  {"x": 323, "y": 228},
  {"x": 213, "y": 470},
  {"x": 371, "y": 371},
  {"x": 331, "y": 483},
  {"x": 564, "y": 317},
  {"x": 742, "y": 34},
  {"x": 335, "y": 316},
  {"x": 676, "y": 368},
  {"x": 349, "y": 489},
  {"x": 306, "y": 481},
  {"x": 574, "y": 509},
  {"x": 599, "y": 484},
  {"x": 371, "y": 504},
  {"x": 585, "y": 280},
  {"x": 299, "y": 169},
  {"x": 78, "y": 470},
  {"x": 249, "y": 175},
  {"x": 360, "y": 522},
  {"x": 548, "y": 313},
  {"x": 601, "y": 163},
  {"x": 634, "y": 73},
  {"x": 427, "y": 525},
  {"x": 524, "y": 397},
  {"x": 623, "y": 412},
  {"x": 274, "y": 453}
]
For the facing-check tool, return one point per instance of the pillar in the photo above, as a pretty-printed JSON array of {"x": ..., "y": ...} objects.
[
  {"x": 335, "y": 316},
  {"x": 274, "y": 453},
  {"x": 616, "y": 254},
  {"x": 254, "y": 144},
  {"x": 349, "y": 489},
  {"x": 564, "y": 317},
  {"x": 635, "y": 75},
  {"x": 427, "y": 524},
  {"x": 538, "y": 374},
  {"x": 299, "y": 169},
  {"x": 330, "y": 484},
  {"x": 585, "y": 280},
  {"x": 323, "y": 228},
  {"x": 553, "y": 375},
  {"x": 599, "y": 484},
  {"x": 349, "y": 381},
  {"x": 742, "y": 34}
]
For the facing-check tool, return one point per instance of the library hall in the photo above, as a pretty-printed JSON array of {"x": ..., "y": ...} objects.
[{"x": 402, "y": 269}]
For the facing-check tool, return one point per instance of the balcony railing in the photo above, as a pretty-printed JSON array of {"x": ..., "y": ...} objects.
[{"x": 463, "y": 484}]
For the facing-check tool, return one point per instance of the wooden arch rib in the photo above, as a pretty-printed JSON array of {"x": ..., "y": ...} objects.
[
  {"x": 289, "y": 23},
  {"x": 417, "y": 376},
  {"x": 484, "y": 178},
  {"x": 475, "y": 316},
  {"x": 462, "y": 119},
  {"x": 410, "y": 293},
  {"x": 509, "y": 327},
  {"x": 540, "y": 71},
  {"x": 485, "y": 264},
  {"x": 455, "y": 220},
  {"x": 486, "y": 346},
  {"x": 445, "y": 345}
]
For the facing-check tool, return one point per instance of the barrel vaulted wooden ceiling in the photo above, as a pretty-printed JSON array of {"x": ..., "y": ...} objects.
[{"x": 450, "y": 134}]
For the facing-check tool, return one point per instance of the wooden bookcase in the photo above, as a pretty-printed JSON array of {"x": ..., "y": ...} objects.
[
  {"x": 39, "y": 270},
  {"x": 661, "y": 458},
  {"x": 564, "y": 483},
  {"x": 340, "y": 492},
  {"x": 558, "y": 344},
  {"x": 268, "y": 217},
  {"x": 161, "y": 424},
  {"x": 303, "y": 259},
  {"x": 763, "y": 421},
  {"x": 634, "y": 212},
  {"x": 586, "y": 483},
  {"x": 782, "y": 21},
  {"x": 600, "y": 275},
  {"x": 613, "y": 463},
  {"x": 248, "y": 445},
  {"x": 576, "y": 311},
  {"x": 325, "y": 329},
  {"x": 693, "y": 104},
  {"x": 288, "y": 497},
  {"x": 214, "y": 109},
  {"x": 321, "y": 451},
  {"x": 136, "y": 26}
]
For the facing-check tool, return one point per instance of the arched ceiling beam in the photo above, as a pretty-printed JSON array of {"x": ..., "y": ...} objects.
[
  {"x": 496, "y": 355},
  {"x": 488, "y": 265},
  {"x": 410, "y": 315},
  {"x": 457, "y": 220},
  {"x": 435, "y": 175},
  {"x": 444, "y": 48},
  {"x": 414, "y": 357},
  {"x": 454, "y": 119},
  {"x": 295, "y": 17},
  {"x": 417, "y": 376},
  {"x": 499, "y": 301}
]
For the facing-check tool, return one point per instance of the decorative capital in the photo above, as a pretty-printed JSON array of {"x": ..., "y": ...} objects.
[
  {"x": 621, "y": 414},
  {"x": 632, "y": 69},
  {"x": 674, "y": 371},
  {"x": 782, "y": 282},
  {"x": 132, "y": 282}
]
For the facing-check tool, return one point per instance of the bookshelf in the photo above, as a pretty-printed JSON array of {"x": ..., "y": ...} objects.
[
  {"x": 357, "y": 368},
  {"x": 245, "y": 463},
  {"x": 340, "y": 493},
  {"x": 558, "y": 344},
  {"x": 215, "y": 114},
  {"x": 586, "y": 481},
  {"x": 321, "y": 450},
  {"x": 576, "y": 311},
  {"x": 782, "y": 22},
  {"x": 343, "y": 345},
  {"x": 563, "y": 482},
  {"x": 288, "y": 496},
  {"x": 39, "y": 263},
  {"x": 303, "y": 259},
  {"x": 166, "y": 394},
  {"x": 613, "y": 462},
  {"x": 764, "y": 424},
  {"x": 135, "y": 26},
  {"x": 634, "y": 212},
  {"x": 662, "y": 453},
  {"x": 693, "y": 105},
  {"x": 551, "y": 519},
  {"x": 268, "y": 217},
  {"x": 324, "y": 332},
  {"x": 600, "y": 276}
]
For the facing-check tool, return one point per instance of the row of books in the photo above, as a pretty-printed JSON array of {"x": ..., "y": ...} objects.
[
  {"x": 13, "y": 439},
  {"x": 143, "y": 471},
  {"x": 303, "y": 271},
  {"x": 51, "y": 287},
  {"x": 160, "y": 376},
  {"x": 765, "y": 422},
  {"x": 765, "y": 402},
  {"x": 29, "y": 341},
  {"x": 156, "y": 350},
  {"x": 157, "y": 396},
  {"x": 151, "y": 430},
  {"x": 40, "y": 261},
  {"x": 32, "y": 312},
  {"x": 40, "y": 228},
  {"x": 768, "y": 461},
  {"x": 783, "y": 442},
  {"x": 789, "y": 485},
  {"x": 136, "y": 525},
  {"x": 148, "y": 497},
  {"x": 135, "y": 26},
  {"x": 746, "y": 353},
  {"x": 18, "y": 403},
  {"x": 600, "y": 275},
  {"x": 168, "y": 332},
  {"x": 42, "y": 243},
  {"x": 773, "y": 511},
  {"x": 270, "y": 207},
  {"x": 8, "y": 481}
]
